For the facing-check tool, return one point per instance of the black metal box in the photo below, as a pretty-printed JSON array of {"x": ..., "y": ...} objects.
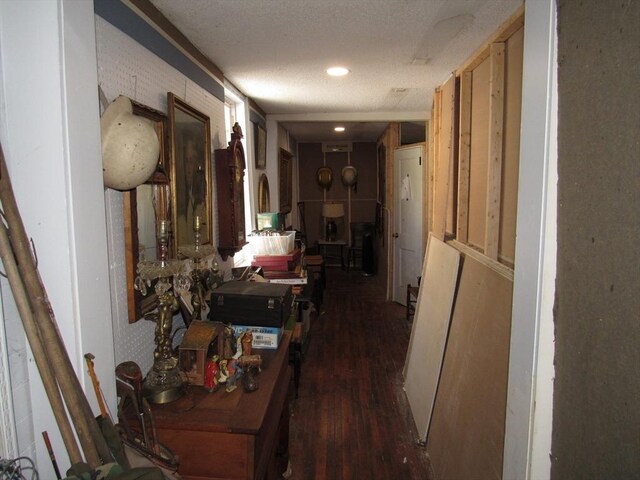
[{"x": 257, "y": 304}]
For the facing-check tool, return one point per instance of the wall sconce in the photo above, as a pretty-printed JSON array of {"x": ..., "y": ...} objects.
[
  {"x": 331, "y": 211},
  {"x": 324, "y": 176},
  {"x": 350, "y": 177}
]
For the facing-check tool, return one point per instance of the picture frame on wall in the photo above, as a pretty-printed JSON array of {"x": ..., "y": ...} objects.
[
  {"x": 285, "y": 176},
  {"x": 190, "y": 137},
  {"x": 144, "y": 207},
  {"x": 261, "y": 147}
]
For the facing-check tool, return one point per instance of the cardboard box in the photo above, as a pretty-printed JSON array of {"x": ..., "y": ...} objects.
[{"x": 263, "y": 337}]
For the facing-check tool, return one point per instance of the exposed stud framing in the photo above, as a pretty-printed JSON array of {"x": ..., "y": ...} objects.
[
  {"x": 464, "y": 157},
  {"x": 494, "y": 167}
]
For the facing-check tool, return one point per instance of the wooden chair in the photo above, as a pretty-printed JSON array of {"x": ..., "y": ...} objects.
[
  {"x": 355, "y": 247},
  {"x": 412, "y": 299}
]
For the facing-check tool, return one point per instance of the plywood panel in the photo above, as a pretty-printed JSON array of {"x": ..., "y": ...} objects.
[
  {"x": 315, "y": 228},
  {"x": 466, "y": 437},
  {"x": 430, "y": 328},
  {"x": 364, "y": 159},
  {"x": 310, "y": 158},
  {"x": 335, "y": 161},
  {"x": 511, "y": 155},
  {"x": 479, "y": 153},
  {"x": 363, "y": 211}
]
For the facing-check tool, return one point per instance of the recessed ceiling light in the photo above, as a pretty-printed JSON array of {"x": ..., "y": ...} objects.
[
  {"x": 339, "y": 129},
  {"x": 337, "y": 71}
]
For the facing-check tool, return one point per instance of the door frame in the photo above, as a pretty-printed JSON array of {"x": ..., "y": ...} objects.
[{"x": 393, "y": 217}]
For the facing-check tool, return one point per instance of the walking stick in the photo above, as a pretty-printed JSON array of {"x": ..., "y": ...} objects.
[
  {"x": 39, "y": 354},
  {"x": 93, "y": 444},
  {"x": 109, "y": 430},
  {"x": 52, "y": 455}
]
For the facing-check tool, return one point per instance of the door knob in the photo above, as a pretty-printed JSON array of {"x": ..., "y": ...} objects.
[{"x": 395, "y": 235}]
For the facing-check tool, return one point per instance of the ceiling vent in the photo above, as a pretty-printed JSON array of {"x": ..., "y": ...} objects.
[{"x": 336, "y": 147}]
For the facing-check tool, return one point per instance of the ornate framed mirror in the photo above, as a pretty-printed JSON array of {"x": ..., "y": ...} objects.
[
  {"x": 144, "y": 206},
  {"x": 264, "y": 198},
  {"x": 190, "y": 136},
  {"x": 285, "y": 177}
]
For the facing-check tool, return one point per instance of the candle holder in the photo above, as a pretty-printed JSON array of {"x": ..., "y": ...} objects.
[{"x": 163, "y": 383}]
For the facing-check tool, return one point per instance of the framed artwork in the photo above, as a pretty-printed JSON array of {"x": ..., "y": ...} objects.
[
  {"x": 261, "y": 147},
  {"x": 190, "y": 138},
  {"x": 382, "y": 157},
  {"x": 264, "y": 197},
  {"x": 144, "y": 207},
  {"x": 285, "y": 174}
]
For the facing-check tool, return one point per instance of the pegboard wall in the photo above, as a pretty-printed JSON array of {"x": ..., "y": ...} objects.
[{"x": 127, "y": 68}]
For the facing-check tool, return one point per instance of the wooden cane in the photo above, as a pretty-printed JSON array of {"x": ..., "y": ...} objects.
[
  {"x": 52, "y": 455},
  {"x": 96, "y": 386},
  {"x": 39, "y": 354},
  {"x": 93, "y": 443}
]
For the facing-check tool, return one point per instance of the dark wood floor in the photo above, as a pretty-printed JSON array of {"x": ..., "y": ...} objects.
[{"x": 352, "y": 418}]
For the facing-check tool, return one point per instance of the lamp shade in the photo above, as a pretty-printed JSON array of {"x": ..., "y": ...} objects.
[{"x": 333, "y": 210}]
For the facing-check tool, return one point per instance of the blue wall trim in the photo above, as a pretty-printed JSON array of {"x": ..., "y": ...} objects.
[
  {"x": 255, "y": 117},
  {"x": 123, "y": 18}
]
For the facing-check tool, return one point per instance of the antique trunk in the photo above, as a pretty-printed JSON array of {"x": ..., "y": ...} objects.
[{"x": 257, "y": 304}]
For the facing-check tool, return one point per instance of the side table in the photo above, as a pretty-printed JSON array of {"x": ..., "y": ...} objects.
[
  {"x": 324, "y": 247},
  {"x": 232, "y": 434}
]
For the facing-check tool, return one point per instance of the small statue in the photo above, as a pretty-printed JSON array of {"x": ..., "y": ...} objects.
[
  {"x": 197, "y": 295},
  {"x": 249, "y": 380},
  {"x": 211, "y": 374},
  {"x": 223, "y": 374},
  {"x": 229, "y": 342},
  {"x": 234, "y": 373},
  {"x": 164, "y": 324},
  {"x": 247, "y": 342}
]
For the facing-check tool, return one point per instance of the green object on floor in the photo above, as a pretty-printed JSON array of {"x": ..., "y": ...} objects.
[{"x": 112, "y": 471}]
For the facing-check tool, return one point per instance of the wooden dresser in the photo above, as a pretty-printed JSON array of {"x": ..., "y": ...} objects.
[{"x": 235, "y": 435}]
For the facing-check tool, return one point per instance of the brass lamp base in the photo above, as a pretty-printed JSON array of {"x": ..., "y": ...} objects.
[
  {"x": 163, "y": 383},
  {"x": 331, "y": 231}
]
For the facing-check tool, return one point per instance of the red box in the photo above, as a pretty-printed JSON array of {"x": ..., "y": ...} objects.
[{"x": 280, "y": 263}]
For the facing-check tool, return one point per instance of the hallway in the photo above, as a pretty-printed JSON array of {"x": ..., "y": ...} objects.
[{"x": 352, "y": 419}]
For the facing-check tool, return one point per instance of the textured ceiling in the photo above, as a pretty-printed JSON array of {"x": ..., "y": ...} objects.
[{"x": 398, "y": 51}]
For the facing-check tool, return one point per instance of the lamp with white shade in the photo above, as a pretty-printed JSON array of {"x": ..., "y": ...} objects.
[{"x": 331, "y": 212}]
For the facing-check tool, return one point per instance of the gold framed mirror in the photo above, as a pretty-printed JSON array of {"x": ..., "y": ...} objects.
[
  {"x": 144, "y": 206},
  {"x": 285, "y": 177},
  {"x": 264, "y": 198},
  {"x": 190, "y": 136}
]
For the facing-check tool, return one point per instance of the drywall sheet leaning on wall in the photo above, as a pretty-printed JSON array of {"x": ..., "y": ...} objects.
[
  {"x": 429, "y": 332},
  {"x": 466, "y": 437}
]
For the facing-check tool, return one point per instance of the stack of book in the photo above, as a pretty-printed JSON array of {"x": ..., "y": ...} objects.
[{"x": 282, "y": 268}]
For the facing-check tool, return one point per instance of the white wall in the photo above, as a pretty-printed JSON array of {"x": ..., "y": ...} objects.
[
  {"x": 530, "y": 391},
  {"x": 50, "y": 134},
  {"x": 127, "y": 68}
]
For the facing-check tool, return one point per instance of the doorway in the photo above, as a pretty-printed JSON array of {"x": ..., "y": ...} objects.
[{"x": 407, "y": 229}]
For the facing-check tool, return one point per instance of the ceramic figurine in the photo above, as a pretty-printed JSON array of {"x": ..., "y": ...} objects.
[
  {"x": 211, "y": 374},
  {"x": 235, "y": 372},
  {"x": 229, "y": 342},
  {"x": 249, "y": 380},
  {"x": 247, "y": 341}
]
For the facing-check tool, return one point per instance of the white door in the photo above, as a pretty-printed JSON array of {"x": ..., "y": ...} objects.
[{"x": 407, "y": 233}]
